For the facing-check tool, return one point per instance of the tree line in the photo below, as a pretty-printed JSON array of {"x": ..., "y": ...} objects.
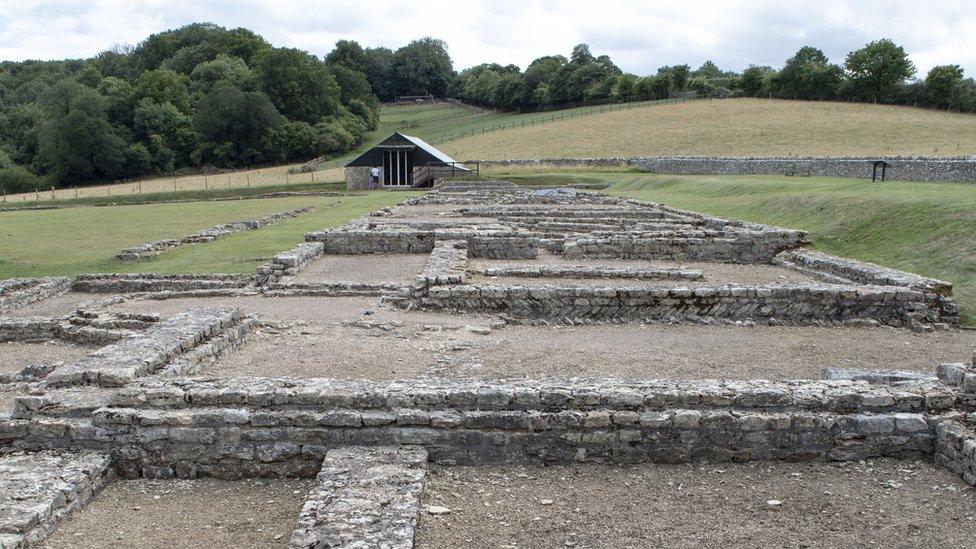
[{"x": 205, "y": 96}]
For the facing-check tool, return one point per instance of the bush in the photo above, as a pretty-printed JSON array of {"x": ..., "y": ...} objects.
[{"x": 18, "y": 180}]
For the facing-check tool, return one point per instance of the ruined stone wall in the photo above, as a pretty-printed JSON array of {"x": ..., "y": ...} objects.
[
  {"x": 289, "y": 263},
  {"x": 19, "y": 292},
  {"x": 810, "y": 304},
  {"x": 901, "y": 168},
  {"x": 482, "y": 244},
  {"x": 155, "y": 248},
  {"x": 256, "y": 427},
  {"x": 447, "y": 264},
  {"x": 734, "y": 247},
  {"x": 123, "y": 283}
]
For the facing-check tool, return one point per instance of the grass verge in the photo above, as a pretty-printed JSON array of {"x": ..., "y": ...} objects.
[{"x": 71, "y": 241}]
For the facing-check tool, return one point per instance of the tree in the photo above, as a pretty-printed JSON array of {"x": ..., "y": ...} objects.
[
  {"x": 540, "y": 72},
  {"x": 298, "y": 85},
  {"x": 752, "y": 80},
  {"x": 877, "y": 69},
  {"x": 944, "y": 86},
  {"x": 223, "y": 70},
  {"x": 167, "y": 132},
  {"x": 349, "y": 54},
  {"x": 237, "y": 128},
  {"x": 163, "y": 86},
  {"x": 809, "y": 75},
  {"x": 379, "y": 64},
  {"x": 75, "y": 140},
  {"x": 422, "y": 67}
]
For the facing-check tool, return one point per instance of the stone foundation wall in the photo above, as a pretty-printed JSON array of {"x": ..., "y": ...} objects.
[
  {"x": 447, "y": 264},
  {"x": 364, "y": 497},
  {"x": 803, "y": 304},
  {"x": 902, "y": 168},
  {"x": 19, "y": 292},
  {"x": 148, "y": 352},
  {"x": 259, "y": 427},
  {"x": 481, "y": 244},
  {"x": 735, "y": 247},
  {"x": 153, "y": 249},
  {"x": 122, "y": 283},
  {"x": 289, "y": 263},
  {"x": 956, "y": 449}
]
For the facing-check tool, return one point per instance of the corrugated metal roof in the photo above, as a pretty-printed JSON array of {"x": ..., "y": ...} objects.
[{"x": 429, "y": 148}]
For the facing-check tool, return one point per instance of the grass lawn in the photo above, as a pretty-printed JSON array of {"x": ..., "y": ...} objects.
[
  {"x": 925, "y": 228},
  {"x": 78, "y": 240},
  {"x": 734, "y": 127}
]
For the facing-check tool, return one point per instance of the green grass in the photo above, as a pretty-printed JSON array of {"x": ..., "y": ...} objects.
[
  {"x": 925, "y": 228},
  {"x": 177, "y": 196},
  {"x": 70, "y": 241}
]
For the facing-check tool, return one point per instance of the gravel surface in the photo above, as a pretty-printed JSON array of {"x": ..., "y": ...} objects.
[
  {"x": 15, "y": 356},
  {"x": 704, "y": 352},
  {"x": 61, "y": 305},
  {"x": 370, "y": 268},
  {"x": 715, "y": 273},
  {"x": 187, "y": 513},
  {"x": 6, "y": 401},
  {"x": 391, "y": 350},
  {"x": 292, "y": 309},
  {"x": 887, "y": 503}
]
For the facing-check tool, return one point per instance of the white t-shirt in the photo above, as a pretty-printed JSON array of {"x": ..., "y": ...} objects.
[{"x": 375, "y": 172}]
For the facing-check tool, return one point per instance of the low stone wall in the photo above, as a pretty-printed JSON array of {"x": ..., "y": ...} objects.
[
  {"x": 289, "y": 263},
  {"x": 446, "y": 265},
  {"x": 85, "y": 330},
  {"x": 38, "y": 491},
  {"x": 735, "y": 247},
  {"x": 279, "y": 427},
  {"x": 148, "y": 352},
  {"x": 482, "y": 244},
  {"x": 956, "y": 449},
  {"x": 19, "y": 292},
  {"x": 364, "y": 497},
  {"x": 153, "y": 249},
  {"x": 803, "y": 304},
  {"x": 332, "y": 289},
  {"x": 903, "y": 168},
  {"x": 586, "y": 271},
  {"x": 123, "y": 283}
]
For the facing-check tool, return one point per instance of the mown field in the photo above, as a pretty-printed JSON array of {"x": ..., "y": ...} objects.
[
  {"x": 71, "y": 241},
  {"x": 735, "y": 127},
  {"x": 926, "y": 228}
]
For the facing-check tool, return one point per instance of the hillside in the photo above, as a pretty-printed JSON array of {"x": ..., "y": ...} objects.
[{"x": 735, "y": 127}]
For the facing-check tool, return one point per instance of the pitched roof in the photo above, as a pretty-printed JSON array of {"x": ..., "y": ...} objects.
[{"x": 429, "y": 148}]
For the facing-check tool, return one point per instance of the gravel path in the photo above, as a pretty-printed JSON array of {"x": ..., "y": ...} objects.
[
  {"x": 147, "y": 514},
  {"x": 15, "y": 356},
  {"x": 370, "y": 268},
  {"x": 886, "y": 503}
]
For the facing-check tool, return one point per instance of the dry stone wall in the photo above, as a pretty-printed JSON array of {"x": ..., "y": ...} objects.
[
  {"x": 39, "y": 490},
  {"x": 121, "y": 283},
  {"x": 960, "y": 169},
  {"x": 19, "y": 292},
  {"x": 258, "y": 427},
  {"x": 364, "y": 497}
]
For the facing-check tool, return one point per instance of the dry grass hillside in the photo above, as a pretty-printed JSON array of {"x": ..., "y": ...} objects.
[{"x": 735, "y": 127}]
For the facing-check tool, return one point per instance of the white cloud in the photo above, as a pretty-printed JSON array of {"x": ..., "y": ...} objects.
[{"x": 639, "y": 35}]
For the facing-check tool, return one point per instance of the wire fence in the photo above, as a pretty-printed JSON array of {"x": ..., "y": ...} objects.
[{"x": 250, "y": 178}]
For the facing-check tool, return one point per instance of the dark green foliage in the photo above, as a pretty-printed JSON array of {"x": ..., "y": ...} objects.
[
  {"x": 237, "y": 128},
  {"x": 753, "y": 81},
  {"x": 877, "y": 69},
  {"x": 808, "y": 75},
  {"x": 15, "y": 179},
  {"x": 422, "y": 67},
  {"x": 945, "y": 88},
  {"x": 298, "y": 84}
]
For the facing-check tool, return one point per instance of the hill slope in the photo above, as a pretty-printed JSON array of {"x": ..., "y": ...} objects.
[{"x": 735, "y": 127}]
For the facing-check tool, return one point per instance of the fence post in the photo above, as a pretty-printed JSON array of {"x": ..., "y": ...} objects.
[
  {"x": 140, "y": 186},
  {"x": 37, "y": 195},
  {"x": 248, "y": 177},
  {"x": 52, "y": 191},
  {"x": 76, "y": 191},
  {"x": 4, "y": 191},
  {"x": 206, "y": 182}
]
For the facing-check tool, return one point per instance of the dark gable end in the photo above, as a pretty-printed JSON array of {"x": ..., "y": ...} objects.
[{"x": 422, "y": 152}]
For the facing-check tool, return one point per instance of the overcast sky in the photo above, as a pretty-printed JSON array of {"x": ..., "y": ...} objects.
[{"x": 638, "y": 36}]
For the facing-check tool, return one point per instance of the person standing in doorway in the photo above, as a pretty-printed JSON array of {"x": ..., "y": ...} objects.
[{"x": 374, "y": 178}]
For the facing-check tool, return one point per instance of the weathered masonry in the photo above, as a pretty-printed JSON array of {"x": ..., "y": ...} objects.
[{"x": 149, "y": 389}]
